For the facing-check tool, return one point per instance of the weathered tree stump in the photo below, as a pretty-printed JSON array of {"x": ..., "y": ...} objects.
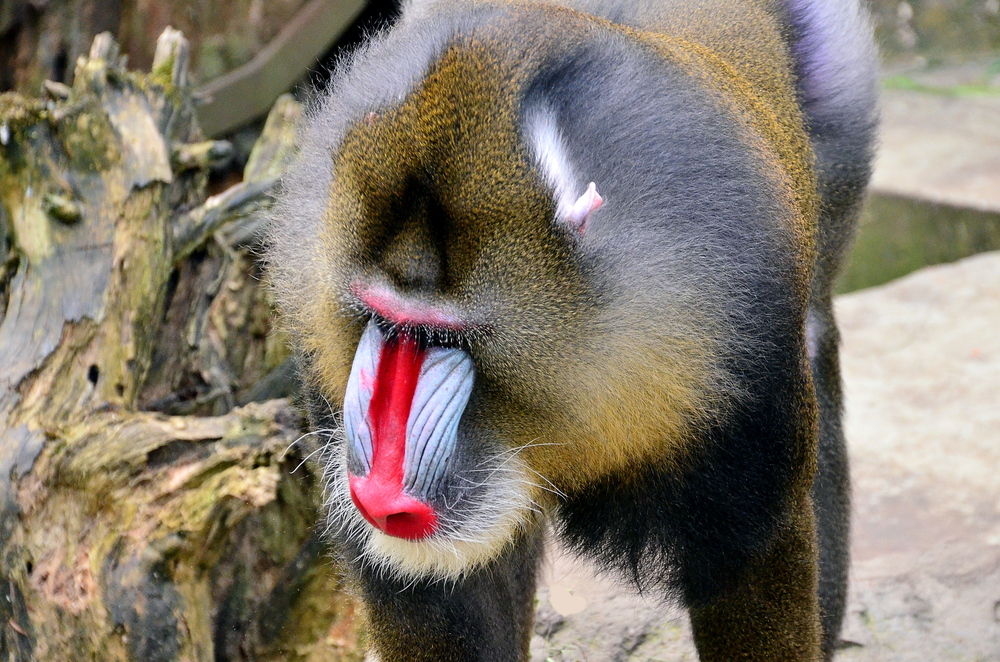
[{"x": 143, "y": 516}]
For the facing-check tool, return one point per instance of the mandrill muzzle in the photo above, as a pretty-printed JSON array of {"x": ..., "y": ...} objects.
[{"x": 402, "y": 408}]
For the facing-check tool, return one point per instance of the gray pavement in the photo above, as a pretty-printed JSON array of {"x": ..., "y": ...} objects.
[{"x": 941, "y": 148}]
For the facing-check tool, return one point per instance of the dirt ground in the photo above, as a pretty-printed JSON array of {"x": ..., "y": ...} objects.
[{"x": 921, "y": 361}]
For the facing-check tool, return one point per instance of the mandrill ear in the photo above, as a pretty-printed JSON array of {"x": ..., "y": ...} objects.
[
  {"x": 547, "y": 146},
  {"x": 585, "y": 205}
]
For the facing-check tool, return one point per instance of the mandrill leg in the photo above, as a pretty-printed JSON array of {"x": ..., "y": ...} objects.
[
  {"x": 832, "y": 489},
  {"x": 771, "y": 615},
  {"x": 485, "y": 617}
]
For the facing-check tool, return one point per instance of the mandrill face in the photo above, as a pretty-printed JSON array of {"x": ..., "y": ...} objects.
[
  {"x": 444, "y": 412},
  {"x": 438, "y": 492},
  {"x": 450, "y": 297},
  {"x": 459, "y": 295}
]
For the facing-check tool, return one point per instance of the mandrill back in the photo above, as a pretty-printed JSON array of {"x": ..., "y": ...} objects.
[{"x": 572, "y": 263}]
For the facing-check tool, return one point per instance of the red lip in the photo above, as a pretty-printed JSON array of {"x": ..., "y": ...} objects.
[{"x": 398, "y": 310}]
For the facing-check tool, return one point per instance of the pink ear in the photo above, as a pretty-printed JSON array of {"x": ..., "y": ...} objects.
[{"x": 579, "y": 214}]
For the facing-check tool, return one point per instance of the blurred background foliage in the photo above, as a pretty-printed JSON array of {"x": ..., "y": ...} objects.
[{"x": 937, "y": 29}]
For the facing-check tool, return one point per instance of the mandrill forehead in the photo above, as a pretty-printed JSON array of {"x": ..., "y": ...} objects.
[
  {"x": 459, "y": 132},
  {"x": 446, "y": 194},
  {"x": 439, "y": 213},
  {"x": 442, "y": 196}
]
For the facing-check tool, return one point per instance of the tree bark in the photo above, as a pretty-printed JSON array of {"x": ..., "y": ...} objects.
[{"x": 143, "y": 515}]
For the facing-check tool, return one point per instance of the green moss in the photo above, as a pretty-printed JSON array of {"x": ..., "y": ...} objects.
[
  {"x": 17, "y": 111},
  {"x": 163, "y": 72},
  {"x": 87, "y": 138}
]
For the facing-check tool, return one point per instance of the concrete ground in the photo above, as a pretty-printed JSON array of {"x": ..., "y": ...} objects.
[
  {"x": 939, "y": 147},
  {"x": 921, "y": 361}
]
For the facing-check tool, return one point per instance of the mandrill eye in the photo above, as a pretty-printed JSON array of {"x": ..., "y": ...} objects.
[{"x": 403, "y": 403}]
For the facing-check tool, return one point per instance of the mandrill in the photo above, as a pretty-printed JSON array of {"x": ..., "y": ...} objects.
[{"x": 569, "y": 264}]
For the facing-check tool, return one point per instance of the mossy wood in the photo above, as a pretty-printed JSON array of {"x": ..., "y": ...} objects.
[{"x": 143, "y": 516}]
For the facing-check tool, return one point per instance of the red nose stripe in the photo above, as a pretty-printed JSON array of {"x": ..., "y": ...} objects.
[
  {"x": 379, "y": 495},
  {"x": 395, "y": 384}
]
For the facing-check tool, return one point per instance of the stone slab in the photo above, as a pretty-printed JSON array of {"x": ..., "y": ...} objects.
[{"x": 941, "y": 148}]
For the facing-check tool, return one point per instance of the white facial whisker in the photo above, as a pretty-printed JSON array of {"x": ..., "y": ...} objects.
[{"x": 300, "y": 438}]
